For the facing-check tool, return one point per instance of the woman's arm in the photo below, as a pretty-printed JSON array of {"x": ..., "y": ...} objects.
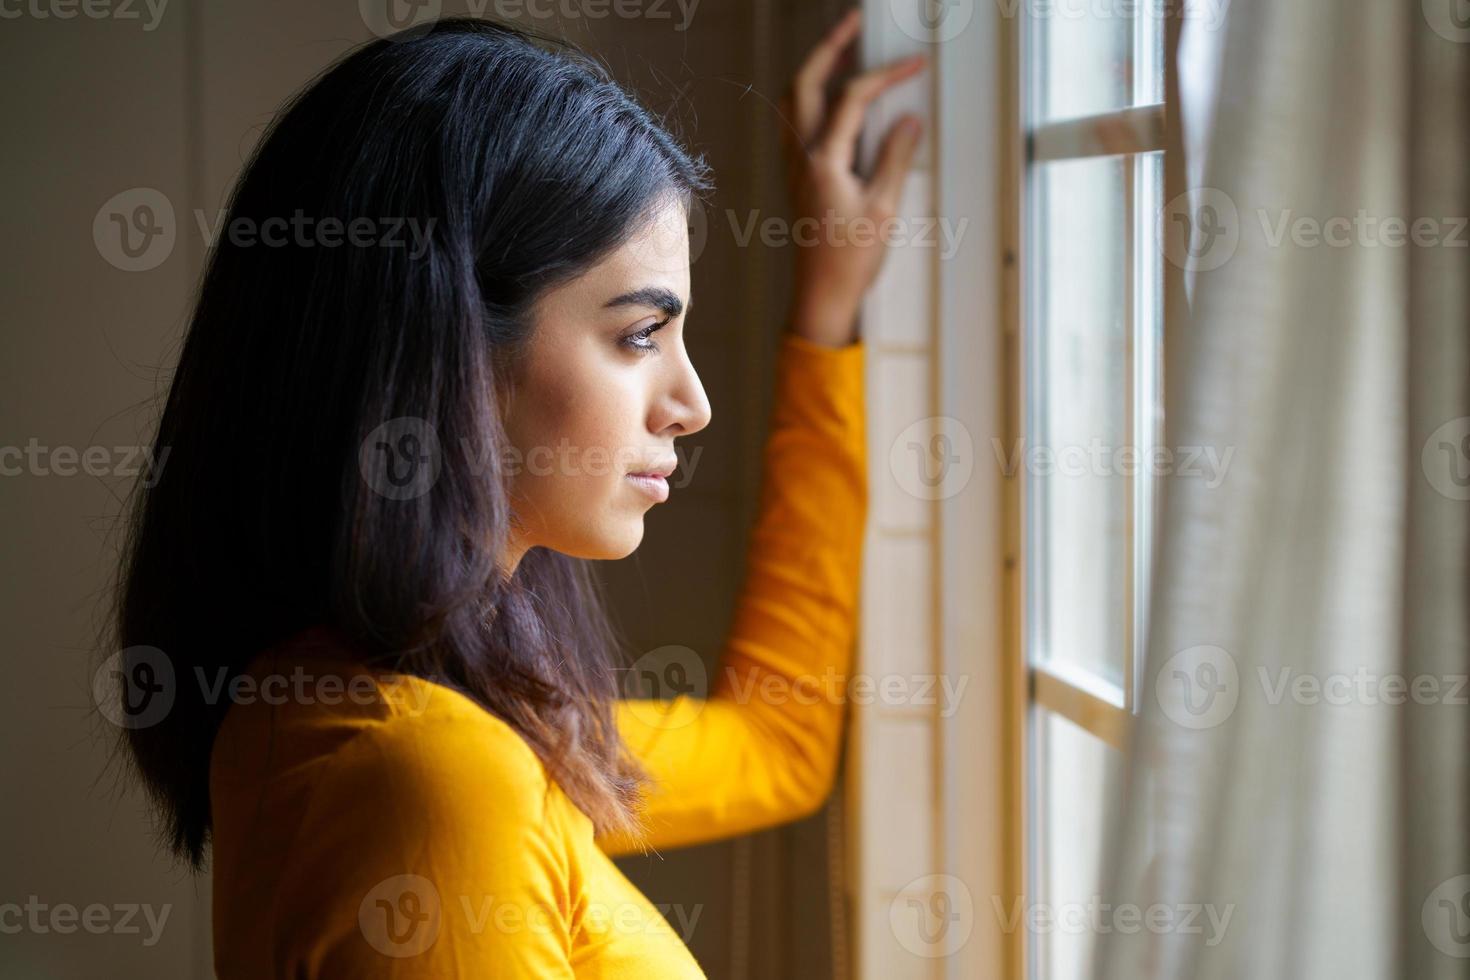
[{"x": 762, "y": 749}]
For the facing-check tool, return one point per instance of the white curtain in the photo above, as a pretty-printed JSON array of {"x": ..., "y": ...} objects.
[{"x": 1332, "y": 827}]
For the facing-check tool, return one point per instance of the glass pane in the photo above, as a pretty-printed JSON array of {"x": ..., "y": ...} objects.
[
  {"x": 1082, "y": 57},
  {"x": 1077, "y": 792},
  {"x": 1077, "y": 419}
]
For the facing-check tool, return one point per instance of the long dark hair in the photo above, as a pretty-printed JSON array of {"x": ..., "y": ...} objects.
[{"x": 508, "y": 163}]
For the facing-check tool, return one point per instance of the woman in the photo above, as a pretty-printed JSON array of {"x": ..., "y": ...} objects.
[{"x": 386, "y": 693}]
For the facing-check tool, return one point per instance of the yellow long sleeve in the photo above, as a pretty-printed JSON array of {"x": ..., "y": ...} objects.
[{"x": 763, "y": 748}]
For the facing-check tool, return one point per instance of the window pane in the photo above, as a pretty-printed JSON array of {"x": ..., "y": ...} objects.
[
  {"x": 1077, "y": 791},
  {"x": 1077, "y": 419},
  {"x": 1083, "y": 58}
]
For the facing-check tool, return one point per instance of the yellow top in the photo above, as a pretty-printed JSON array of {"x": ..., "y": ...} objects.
[{"x": 379, "y": 825}]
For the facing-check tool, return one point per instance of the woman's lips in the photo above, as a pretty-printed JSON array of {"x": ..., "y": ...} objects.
[{"x": 655, "y": 486}]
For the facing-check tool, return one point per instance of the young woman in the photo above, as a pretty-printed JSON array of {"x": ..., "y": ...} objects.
[{"x": 384, "y": 695}]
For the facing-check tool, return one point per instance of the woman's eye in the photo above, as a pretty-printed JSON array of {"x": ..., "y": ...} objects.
[{"x": 639, "y": 341}]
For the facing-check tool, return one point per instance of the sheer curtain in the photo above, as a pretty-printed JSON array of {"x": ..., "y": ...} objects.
[{"x": 1291, "y": 819}]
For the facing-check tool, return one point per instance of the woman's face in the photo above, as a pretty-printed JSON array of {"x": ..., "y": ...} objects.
[{"x": 600, "y": 396}]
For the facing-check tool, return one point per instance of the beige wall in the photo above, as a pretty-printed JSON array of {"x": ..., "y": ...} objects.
[{"x": 96, "y": 106}]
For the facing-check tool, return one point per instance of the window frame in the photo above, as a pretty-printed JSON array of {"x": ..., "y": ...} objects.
[{"x": 1071, "y": 694}]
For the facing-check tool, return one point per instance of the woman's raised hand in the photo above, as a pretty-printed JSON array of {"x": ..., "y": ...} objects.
[{"x": 837, "y": 217}]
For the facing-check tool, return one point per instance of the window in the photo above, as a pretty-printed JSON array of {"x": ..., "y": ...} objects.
[
  {"x": 1091, "y": 84},
  {"x": 1028, "y": 579}
]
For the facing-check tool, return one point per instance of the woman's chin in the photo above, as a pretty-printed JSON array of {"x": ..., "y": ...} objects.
[
  {"x": 631, "y": 540},
  {"x": 610, "y": 545}
]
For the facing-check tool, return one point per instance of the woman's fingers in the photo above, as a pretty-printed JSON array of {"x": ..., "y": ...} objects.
[
  {"x": 840, "y": 141},
  {"x": 895, "y": 159},
  {"x": 806, "y": 100}
]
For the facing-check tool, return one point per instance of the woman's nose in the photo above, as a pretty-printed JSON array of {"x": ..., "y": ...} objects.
[{"x": 688, "y": 406}]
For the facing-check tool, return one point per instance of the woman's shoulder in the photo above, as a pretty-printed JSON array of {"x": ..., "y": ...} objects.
[
  {"x": 354, "y": 792},
  {"x": 305, "y": 707}
]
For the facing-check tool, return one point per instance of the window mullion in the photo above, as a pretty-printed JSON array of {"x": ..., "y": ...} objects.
[
  {"x": 1139, "y": 129},
  {"x": 1082, "y": 704},
  {"x": 1130, "y": 385}
]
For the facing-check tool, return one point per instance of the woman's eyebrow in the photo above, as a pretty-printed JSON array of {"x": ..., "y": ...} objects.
[{"x": 664, "y": 300}]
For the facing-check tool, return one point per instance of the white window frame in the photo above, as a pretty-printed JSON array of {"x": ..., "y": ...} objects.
[
  {"x": 938, "y": 329},
  {"x": 1102, "y": 710}
]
